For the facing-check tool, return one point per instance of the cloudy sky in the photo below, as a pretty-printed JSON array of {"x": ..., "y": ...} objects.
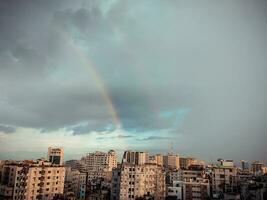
[{"x": 101, "y": 74}]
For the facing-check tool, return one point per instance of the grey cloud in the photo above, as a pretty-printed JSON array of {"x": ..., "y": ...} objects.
[
  {"x": 7, "y": 129},
  {"x": 96, "y": 125},
  {"x": 116, "y": 137},
  {"x": 123, "y": 136},
  {"x": 207, "y": 56},
  {"x": 149, "y": 138}
]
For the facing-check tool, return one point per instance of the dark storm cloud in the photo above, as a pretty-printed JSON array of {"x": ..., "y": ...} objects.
[
  {"x": 195, "y": 68},
  {"x": 7, "y": 129}
]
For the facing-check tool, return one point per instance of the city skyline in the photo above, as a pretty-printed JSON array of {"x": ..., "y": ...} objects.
[{"x": 100, "y": 75}]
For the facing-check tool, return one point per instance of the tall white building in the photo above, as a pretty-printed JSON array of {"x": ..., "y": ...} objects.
[
  {"x": 101, "y": 161},
  {"x": 55, "y": 155},
  {"x": 132, "y": 181}
]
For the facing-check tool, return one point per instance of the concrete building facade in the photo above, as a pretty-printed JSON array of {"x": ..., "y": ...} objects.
[
  {"x": 32, "y": 180},
  {"x": 171, "y": 162},
  {"x": 135, "y": 157},
  {"x": 75, "y": 182},
  {"x": 101, "y": 161},
  {"x": 55, "y": 155},
  {"x": 134, "y": 181}
]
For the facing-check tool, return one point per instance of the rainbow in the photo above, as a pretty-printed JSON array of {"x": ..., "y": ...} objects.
[{"x": 88, "y": 65}]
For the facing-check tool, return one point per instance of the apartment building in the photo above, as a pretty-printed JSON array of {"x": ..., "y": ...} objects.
[
  {"x": 171, "y": 161},
  {"x": 134, "y": 181},
  {"x": 224, "y": 177},
  {"x": 244, "y": 165},
  {"x": 256, "y": 168},
  {"x": 75, "y": 182},
  {"x": 32, "y": 180},
  {"x": 181, "y": 175},
  {"x": 175, "y": 191},
  {"x": 196, "y": 189},
  {"x": 191, "y": 189},
  {"x": 76, "y": 164},
  {"x": 186, "y": 162},
  {"x": 101, "y": 161},
  {"x": 156, "y": 159},
  {"x": 135, "y": 157}
]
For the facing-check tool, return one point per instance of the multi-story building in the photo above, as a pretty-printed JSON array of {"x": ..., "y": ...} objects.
[
  {"x": 93, "y": 176},
  {"x": 256, "y": 167},
  {"x": 101, "y": 161},
  {"x": 186, "y": 162},
  {"x": 2, "y": 163},
  {"x": 135, "y": 157},
  {"x": 196, "y": 189},
  {"x": 181, "y": 175},
  {"x": 171, "y": 161},
  {"x": 75, "y": 182},
  {"x": 244, "y": 165},
  {"x": 55, "y": 155},
  {"x": 244, "y": 175},
  {"x": 156, "y": 159},
  {"x": 175, "y": 191},
  {"x": 134, "y": 181},
  {"x": 31, "y": 180},
  {"x": 76, "y": 164},
  {"x": 190, "y": 189},
  {"x": 192, "y": 174},
  {"x": 99, "y": 165},
  {"x": 159, "y": 159},
  {"x": 174, "y": 175},
  {"x": 224, "y": 177},
  {"x": 254, "y": 189}
]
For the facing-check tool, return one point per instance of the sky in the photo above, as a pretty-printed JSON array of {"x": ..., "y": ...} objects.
[{"x": 141, "y": 75}]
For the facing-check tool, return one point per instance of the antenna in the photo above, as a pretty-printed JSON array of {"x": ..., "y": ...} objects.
[{"x": 171, "y": 148}]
